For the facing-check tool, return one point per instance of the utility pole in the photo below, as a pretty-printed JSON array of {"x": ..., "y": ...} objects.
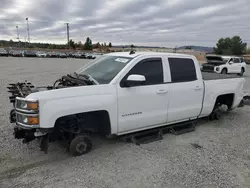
[
  {"x": 24, "y": 42},
  {"x": 68, "y": 34},
  {"x": 28, "y": 29},
  {"x": 17, "y": 33}
]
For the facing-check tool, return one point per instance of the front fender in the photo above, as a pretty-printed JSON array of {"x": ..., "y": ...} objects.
[{"x": 51, "y": 110}]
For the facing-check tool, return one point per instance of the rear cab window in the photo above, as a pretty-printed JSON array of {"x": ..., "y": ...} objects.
[{"x": 182, "y": 69}]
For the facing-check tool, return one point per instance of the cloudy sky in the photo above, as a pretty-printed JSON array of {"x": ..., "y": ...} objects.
[{"x": 166, "y": 23}]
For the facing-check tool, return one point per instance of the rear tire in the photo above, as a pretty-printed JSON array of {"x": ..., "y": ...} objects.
[
  {"x": 242, "y": 72},
  {"x": 224, "y": 71},
  {"x": 80, "y": 145}
]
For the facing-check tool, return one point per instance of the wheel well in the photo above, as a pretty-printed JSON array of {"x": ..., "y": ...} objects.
[
  {"x": 94, "y": 121},
  {"x": 243, "y": 68},
  {"x": 224, "y": 69},
  {"x": 226, "y": 99}
]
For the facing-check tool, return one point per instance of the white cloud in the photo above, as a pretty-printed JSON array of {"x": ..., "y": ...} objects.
[
  {"x": 141, "y": 22},
  {"x": 203, "y": 11}
]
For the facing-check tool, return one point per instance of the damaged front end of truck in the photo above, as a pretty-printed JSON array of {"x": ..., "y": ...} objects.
[{"x": 25, "y": 112}]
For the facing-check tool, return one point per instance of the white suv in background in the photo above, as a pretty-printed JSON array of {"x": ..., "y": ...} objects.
[{"x": 224, "y": 64}]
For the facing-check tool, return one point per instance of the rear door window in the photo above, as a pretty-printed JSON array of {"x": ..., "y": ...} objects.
[{"x": 182, "y": 69}]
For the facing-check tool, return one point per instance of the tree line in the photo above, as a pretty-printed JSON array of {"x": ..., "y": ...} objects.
[
  {"x": 88, "y": 45},
  {"x": 224, "y": 46}
]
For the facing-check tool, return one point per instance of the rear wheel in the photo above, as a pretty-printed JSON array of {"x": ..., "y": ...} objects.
[
  {"x": 241, "y": 72},
  {"x": 224, "y": 71},
  {"x": 80, "y": 145}
]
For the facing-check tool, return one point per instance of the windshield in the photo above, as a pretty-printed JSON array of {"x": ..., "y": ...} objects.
[{"x": 104, "y": 68}]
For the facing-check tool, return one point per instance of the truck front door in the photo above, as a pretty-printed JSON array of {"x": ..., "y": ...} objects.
[{"x": 143, "y": 105}]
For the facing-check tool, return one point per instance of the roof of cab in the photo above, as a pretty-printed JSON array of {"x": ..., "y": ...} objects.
[{"x": 133, "y": 55}]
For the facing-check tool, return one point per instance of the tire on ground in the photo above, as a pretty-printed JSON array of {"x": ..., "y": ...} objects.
[
  {"x": 80, "y": 145},
  {"x": 224, "y": 71}
]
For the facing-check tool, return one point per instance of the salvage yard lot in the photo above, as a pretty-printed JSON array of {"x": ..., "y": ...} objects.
[{"x": 221, "y": 160}]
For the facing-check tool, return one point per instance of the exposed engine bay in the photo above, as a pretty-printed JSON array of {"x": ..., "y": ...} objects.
[{"x": 22, "y": 89}]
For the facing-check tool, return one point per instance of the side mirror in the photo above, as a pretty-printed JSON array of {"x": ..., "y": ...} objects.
[
  {"x": 231, "y": 62},
  {"x": 134, "y": 80}
]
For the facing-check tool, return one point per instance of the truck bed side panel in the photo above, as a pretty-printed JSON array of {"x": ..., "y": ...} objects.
[
  {"x": 215, "y": 88},
  {"x": 216, "y": 76}
]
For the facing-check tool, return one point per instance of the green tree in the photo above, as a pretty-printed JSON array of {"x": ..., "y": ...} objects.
[
  {"x": 110, "y": 44},
  {"x": 88, "y": 44},
  {"x": 79, "y": 45},
  {"x": 230, "y": 46},
  {"x": 238, "y": 47},
  {"x": 98, "y": 45},
  {"x": 72, "y": 44},
  {"x": 132, "y": 46}
]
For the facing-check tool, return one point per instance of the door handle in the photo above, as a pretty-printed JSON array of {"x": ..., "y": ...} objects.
[
  {"x": 197, "y": 88},
  {"x": 161, "y": 91}
]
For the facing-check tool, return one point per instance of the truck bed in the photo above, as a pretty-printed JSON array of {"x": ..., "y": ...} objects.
[{"x": 216, "y": 76}]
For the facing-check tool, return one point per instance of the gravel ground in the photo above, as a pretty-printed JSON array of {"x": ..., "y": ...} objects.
[{"x": 222, "y": 160}]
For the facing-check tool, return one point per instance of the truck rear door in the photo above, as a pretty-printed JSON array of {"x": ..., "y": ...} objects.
[{"x": 186, "y": 89}]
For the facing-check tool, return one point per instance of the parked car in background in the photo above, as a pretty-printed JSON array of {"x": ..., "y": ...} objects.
[
  {"x": 88, "y": 56},
  {"x": 93, "y": 56},
  {"x": 29, "y": 54},
  {"x": 62, "y": 55},
  {"x": 69, "y": 54},
  {"x": 16, "y": 53},
  {"x": 52, "y": 55},
  {"x": 10, "y": 52},
  {"x": 3, "y": 52},
  {"x": 79, "y": 55},
  {"x": 41, "y": 54},
  {"x": 224, "y": 64}
]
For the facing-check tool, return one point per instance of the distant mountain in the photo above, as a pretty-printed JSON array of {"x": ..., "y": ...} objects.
[
  {"x": 198, "y": 48},
  {"x": 128, "y": 46}
]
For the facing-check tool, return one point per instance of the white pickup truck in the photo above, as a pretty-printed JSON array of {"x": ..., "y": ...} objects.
[
  {"x": 120, "y": 93},
  {"x": 224, "y": 64}
]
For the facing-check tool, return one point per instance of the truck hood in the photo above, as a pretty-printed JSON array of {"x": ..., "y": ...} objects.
[{"x": 72, "y": 92}]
